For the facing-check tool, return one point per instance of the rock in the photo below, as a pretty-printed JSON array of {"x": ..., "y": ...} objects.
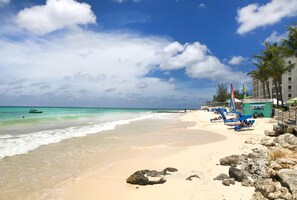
[
  {"x": 169, "y": 169},
  {"x": 228, "y": 181},
  {"x": 256, "y": 166},
  {"x": 191, "y": 177},
  {"x": 249, "y": 141},
  {"x": 286, "y": 162},
  {"x": 271, "y": 133},
  {"x": 290, "y": 130},
  {"x": 149, "y": 177},
  {"x": 231, "y": 160},
  {"x": 274, "y": 165},
  {"x": 265, "y": 186},
  {"x": 252, "y": 155},
  {"x": 258, "y": 196},
  {"x": 286, "y": 138},
  {"x": 267, "y": 142},
  {"x": 271, "y": 172},
  {"x": 237, "y": 174},
  {"x": 248, "y": 182},
  {"x": 280, "y": 193},
  {"x": 221, "y": 177},
  {"x": 288, "y": 178}
]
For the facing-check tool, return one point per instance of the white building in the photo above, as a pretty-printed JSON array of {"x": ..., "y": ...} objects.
[{"x": 289, "y": 85}]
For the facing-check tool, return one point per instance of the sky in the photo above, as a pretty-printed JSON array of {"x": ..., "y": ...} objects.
[{"x": 132, "y": 53}]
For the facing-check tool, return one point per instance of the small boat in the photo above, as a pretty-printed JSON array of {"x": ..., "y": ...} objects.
[{"x": 34, "y": 110}]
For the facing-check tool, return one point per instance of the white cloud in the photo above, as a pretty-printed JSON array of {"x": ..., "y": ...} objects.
[
  {"x": 79, "y": 67},
  {"x": 55, "y": 15},
  {"x": 275, "y": 37},
  {"x": 201, "y": 5},
  {"x": 237, "y": 60},
  {"x": 198, "y": 63},
  {"x": 3, "y": 2},
  {"x": 86, "y": 68},
  {"x": 254, "y": 15}
]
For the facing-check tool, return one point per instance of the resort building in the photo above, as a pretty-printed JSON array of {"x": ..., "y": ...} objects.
[{"x": 289, "y": 85}]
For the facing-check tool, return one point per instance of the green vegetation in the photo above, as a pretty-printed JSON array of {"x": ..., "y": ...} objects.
[
  {"x": 271, "y": 63},
  {"x": 221, "y": 93}
]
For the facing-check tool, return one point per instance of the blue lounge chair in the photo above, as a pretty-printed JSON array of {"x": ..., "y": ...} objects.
[{"x": 244, "y": 124}]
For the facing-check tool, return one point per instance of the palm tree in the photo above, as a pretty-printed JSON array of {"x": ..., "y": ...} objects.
[
  {"x": 272, "y": 60},
  {"x": 277, "y": 66},
  {"x": 262, "y": 74},
  {"x": 290, "y": 44}
]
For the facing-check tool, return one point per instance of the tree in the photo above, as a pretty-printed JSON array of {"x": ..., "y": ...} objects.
[
  {"x": 290, "y": 44},
  {"x": 221, "y": 93},
  {"x": 274, "y": 63},
  {"x": 261, "y": 74}
]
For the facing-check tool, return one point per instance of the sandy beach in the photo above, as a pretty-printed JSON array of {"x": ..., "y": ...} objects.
[{"x": 197, "y": 158}]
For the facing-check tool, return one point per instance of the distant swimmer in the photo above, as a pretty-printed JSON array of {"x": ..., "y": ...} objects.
[{"x": 23, "y": 117}]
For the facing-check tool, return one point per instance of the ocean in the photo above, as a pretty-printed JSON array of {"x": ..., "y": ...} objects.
[{"x": 21, "y": 131}]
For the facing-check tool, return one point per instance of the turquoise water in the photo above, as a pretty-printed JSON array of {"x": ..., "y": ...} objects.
[
  {"x": 21, "y": 131},
  {"x": 15, "y": 115}
]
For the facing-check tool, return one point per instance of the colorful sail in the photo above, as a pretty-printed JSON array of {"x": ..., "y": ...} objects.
[
  {"x": 244, "y": 92},
  {"x": 232, "y": 98}
]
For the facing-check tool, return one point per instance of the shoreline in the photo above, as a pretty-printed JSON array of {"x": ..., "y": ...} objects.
[{"x": 201, "y": 159}]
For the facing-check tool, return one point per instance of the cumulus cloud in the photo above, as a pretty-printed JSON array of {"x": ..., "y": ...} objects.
[
  {"x": 275, "y": 37},
  {"x": 237, "y": 60},
  {"x": 82, "y": 67},
  {"x": 55, "y": 15},
  {"x": 53, "y": 70},
  {"x": 254, "y": 15},
  {"x": 198, "y": 62}
]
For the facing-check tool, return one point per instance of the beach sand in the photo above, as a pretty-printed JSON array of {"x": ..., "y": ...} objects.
[{"x": 193, "y": 158}]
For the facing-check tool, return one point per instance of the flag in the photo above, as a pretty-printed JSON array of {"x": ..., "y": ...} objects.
[{"x": 232, "y": 98}]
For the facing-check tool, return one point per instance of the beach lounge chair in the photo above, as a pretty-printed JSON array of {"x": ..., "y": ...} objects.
[
  {"x": 234, "y": 121},
  {"x": 244, "y": 124}
]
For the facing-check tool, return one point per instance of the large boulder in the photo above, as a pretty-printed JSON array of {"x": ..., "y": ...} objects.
[
  {"x": 288, "y": 178},
  {"x": 237, "y": 174}
]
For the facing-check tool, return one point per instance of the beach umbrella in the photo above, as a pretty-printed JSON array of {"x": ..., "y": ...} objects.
[{"x": 293, "y": 100}]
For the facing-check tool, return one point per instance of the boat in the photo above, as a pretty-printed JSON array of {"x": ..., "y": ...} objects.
[{"x": 34, "y": 110}]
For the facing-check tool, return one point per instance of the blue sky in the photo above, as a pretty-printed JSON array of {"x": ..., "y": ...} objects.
[{"x": 132, "y": 53}]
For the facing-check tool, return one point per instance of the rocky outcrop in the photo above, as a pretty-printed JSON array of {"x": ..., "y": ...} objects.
[
  {"x": 149, "y": 177},
  {"x": 271, "y": 169}
]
